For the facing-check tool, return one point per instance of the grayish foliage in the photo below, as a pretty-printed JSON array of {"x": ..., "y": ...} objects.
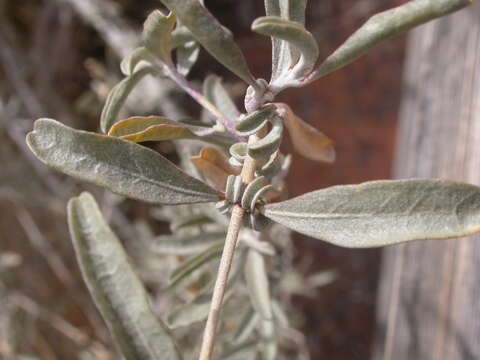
[
  {"x": 118, "y": 292},
  {"x": 122, "y": 166},
  {"x": 383, "y": 26},
  {"x": 214, "y": 37},
  {"x": 380, "y": 213}
]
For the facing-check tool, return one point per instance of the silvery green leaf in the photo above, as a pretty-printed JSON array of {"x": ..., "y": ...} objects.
[
  {"x": 117, "y": 96},
  {"x": 216, "y": 93},
  {"x": 186, "y": 244},
  {"x": 241, "y": 352},
  {"x": 257, "y": 284},
  {"x": 122, "y": 166},
  {"x": 380, "y": 213},
  {"x": 195, "y": 262},
  {"x": 131, "y": 63},
  {"x": 246, "y": 327},
  {"x": 157, "y": 35},
  {"x": 186, "y": 315},
  {"x": 214, "y": 37},
  {"x": 386, "y": 25},
  {"x": 295, "y": 34},
  {"x": 118, "y": 292}
]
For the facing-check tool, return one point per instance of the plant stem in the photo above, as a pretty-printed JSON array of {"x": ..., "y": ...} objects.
[
  {"x": 208, "y": 342},
  {"x": 180, "y": 80}
]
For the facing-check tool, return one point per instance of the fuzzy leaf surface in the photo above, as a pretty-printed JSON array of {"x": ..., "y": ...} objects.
[
  {"x": 384, "y": 26},
  {"x": 122, "y": 166},
  {"x": 294, "y": 33},
  {"x": 118, "y": 292},
  {"x": 214, "y": 37},
  {"x": 380, "y": 213}
]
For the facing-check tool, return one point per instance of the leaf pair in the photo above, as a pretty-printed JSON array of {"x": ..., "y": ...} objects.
[{"x": 372, "y": 214}]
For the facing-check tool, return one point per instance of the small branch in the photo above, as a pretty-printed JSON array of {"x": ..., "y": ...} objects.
[
  {"x": 208, "y": 342},
  {"x": 202, "y": 100}
]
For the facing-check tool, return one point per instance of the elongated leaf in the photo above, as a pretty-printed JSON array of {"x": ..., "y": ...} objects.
[
  {"x": 214, "y": 166},
  {"x": 216, "y": 93},
  {"x": 123, "y": 166},
  {"x": 158, "y": 128},
  {"x": 257, "y": 284},
  {"x": 192, "y": 264},
  {"x": 157, "y": 35},
  {"x": 118, "y": 292},
  {"x": 386, "y": 25},
  {"x": 292, "y": 32},
  {"x": 307, "y": 140},
  {"x": 186, "y": 315},
  {"x": 214, "y": 37},
  {"x": 186, "y": 245},
  {"x": 380, "y": 213},
  {"x": 117, "y": 96}
]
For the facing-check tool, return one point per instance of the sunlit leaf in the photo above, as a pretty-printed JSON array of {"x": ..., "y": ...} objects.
[
  {"x": 214, "y": 37},
  {"x": 117, "y": 96},
  {"x": 380, "y": 213},
  {"x": 307, "y": 140},
  {"x": 122, "y": 166},
  {"x": 384, "y": 26},
  {"x": 157, "y": 35},
  {"x": 118, "y": 292},
  {"x": 292, "y": 32},
  {"x": 157, "y": 128},
  {"x": 214, "y": 166}
]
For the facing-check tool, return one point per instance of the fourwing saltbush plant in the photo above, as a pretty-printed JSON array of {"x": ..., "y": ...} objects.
[{"x": 247, "y": 187}]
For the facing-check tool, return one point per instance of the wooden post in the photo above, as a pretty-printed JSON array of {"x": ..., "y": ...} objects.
[{"x": 429, "y": 294}]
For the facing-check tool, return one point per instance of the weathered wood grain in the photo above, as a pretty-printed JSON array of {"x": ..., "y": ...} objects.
[{"x": 429, "y": 296}]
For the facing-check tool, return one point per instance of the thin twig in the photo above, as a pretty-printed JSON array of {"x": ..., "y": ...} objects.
[
  {"x": 202, "y": 100},
  {"x": 208, "y": 342}
]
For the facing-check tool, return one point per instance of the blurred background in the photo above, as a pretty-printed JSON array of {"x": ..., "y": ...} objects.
[{"x": 59, "y": 58}]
